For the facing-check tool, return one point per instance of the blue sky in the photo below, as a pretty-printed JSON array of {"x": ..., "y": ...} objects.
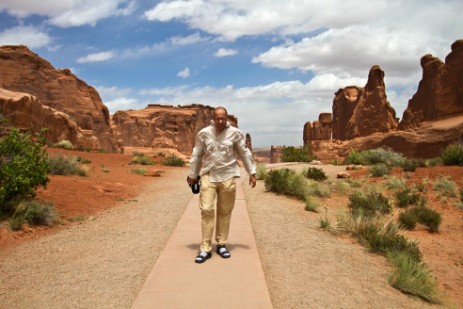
[{"x": 274, "y": 64}]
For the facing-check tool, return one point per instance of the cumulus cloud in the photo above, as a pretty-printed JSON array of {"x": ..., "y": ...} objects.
[
  {"x": 224, "y": 52},
  {"x": 69, "y": 13},
  {"x": 96, "y": 57},
  {"x": 25, "y": 35},
  {"x": 185, "y": 73}
]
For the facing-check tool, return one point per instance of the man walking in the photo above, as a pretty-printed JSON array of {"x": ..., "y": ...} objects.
[{"x": 214, "y": 158}]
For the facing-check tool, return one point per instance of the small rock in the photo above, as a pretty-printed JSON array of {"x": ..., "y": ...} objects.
[{"x": 343, "y": 175}]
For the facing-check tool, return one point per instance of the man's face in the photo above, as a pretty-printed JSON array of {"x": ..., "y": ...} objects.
[{"x": 220, "y": 119}]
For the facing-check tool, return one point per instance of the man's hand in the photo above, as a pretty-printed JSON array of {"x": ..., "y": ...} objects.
[
  {"x": 190, "y": 181},
  {"x": 252, "y": 180}
]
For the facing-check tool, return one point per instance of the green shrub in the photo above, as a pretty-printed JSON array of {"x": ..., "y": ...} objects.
[
  {"x": 393, "y": 182},
  {"x": 261, "y": 171},
  {"x": 141, "y": 159},
  {"x": 65, "y": 144},
  {"x": 411, "y": 276},
  {"x": 32, "y": 212},
  {"x": 356, "y": 157},
  {"x": 434, "y": 161},
  {"x": 429, "y": 217},
  {"x": 23, "y": 167},
  {"x": 388, "y": 240},
  {"x": 446, "y": 186},
  {"x": 292, "y": 154},
  {"x": 173, "y": 160},
  {"x": 368, "y": 205},
  {"x": 286, "y": 181},
  {"x": 319, "y": 189},
  {"x": 65, "y": 165},
  {"x": 382, "y": 155},
  {"x": 83, "y": 160},
  {"x": 453, "y": 154},
  {"x": 277, "y": 181},
  {"x": 408, "y": 219},
  {"x": 325, "y": 224},
  {"x": 341, "y": 187},
  {"x": 379, "y": 170},
  {"x": 406, "y": 197},
  {"x": 139, "y": 171},
  {"x": 354, "y": 183},
  {"x": 315, "y": 173},
  {"x": 424, "y": 215},
  {"x": 310, "y": 204},
  {"x": 410, "y": 165}
]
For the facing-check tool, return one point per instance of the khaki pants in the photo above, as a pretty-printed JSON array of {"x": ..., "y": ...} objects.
[{"x": 225, "y": 193}]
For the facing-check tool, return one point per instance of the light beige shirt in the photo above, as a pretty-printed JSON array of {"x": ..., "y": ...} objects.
[{"x": 217, "y": 154}]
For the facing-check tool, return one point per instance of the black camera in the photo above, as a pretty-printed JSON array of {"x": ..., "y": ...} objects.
[{"x": 196, "y": 186}]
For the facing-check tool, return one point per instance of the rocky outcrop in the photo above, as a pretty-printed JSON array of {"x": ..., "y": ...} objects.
[
  {"x": 344, "y": 103},
  {"x": 24, "y": 71},
  {"x": 25, "y": 112},
  {"x": 440, "y": 91},
  {"x": 163, "y": 126},
  {"x": 318, "y": 130},
  {"x": 373, "y": 112},
  {"x": 363, "y": 111}
]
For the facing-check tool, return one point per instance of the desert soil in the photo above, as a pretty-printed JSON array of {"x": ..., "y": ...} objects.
[{"x": 114, "y": 224}]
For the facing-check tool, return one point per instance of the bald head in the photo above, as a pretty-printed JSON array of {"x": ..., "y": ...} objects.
[{"x": 220, "y": 118}]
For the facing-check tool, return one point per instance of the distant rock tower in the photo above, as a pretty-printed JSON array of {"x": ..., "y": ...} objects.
[{"x": 318, "y": 130}]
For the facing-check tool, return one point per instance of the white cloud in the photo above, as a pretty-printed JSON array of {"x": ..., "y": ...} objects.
[
  {"x": 186, "y": 40},
  {"x": 223, "y": 52},
  {"x": 162, "y": 47},
  {"x": 185, "y": 73},
  {"x": 96, "y": 57},
  {"x": 286, "y": 106},
  {"x": 70, "y": 13},
  {"x": 120, "y": 104},
  {"x": 25, "y": 35}
]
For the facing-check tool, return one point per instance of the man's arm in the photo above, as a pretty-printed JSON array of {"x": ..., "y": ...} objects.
[
  {"x": 196, "y": 160},
  {"x": 248, "y": 160}
]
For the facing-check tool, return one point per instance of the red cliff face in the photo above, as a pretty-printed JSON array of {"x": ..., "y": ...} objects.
[
  {"x": 161, "y": 126},
  {"x": 22, "y": 70},
  {"x": 440, "y": 91},
  {"x": 25, "y": 111}
]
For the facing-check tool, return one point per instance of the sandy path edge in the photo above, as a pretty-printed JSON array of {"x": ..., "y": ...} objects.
[{"x": 101, "y": 263}]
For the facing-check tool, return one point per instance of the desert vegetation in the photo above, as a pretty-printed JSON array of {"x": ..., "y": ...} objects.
[
  {"x": 377, "y": 213},
  {"x": 24, "y": 167}
]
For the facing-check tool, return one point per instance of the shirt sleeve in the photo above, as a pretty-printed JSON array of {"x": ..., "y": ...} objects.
[
  {"x": 196, "y": 157},
  {"x": 245, "y": 154}
]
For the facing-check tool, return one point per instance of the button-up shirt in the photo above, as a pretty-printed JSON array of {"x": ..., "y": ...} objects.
[{"x": 216, "y": 153}]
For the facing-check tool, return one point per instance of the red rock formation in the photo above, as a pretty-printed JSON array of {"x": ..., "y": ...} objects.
[
  {"x": 318, "y": 130},
  {"x": 163, "y": 126},
  {"x": 24, "y": 111},
  {"x": 24, "y": 71},
  {"x": 373, "y": 112},
  {"x": 307, "y": 133},
  {"x": 440, "y": 91},
  {"x": 326, "y": 126},
  {"x": 344, "y": 103}
]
